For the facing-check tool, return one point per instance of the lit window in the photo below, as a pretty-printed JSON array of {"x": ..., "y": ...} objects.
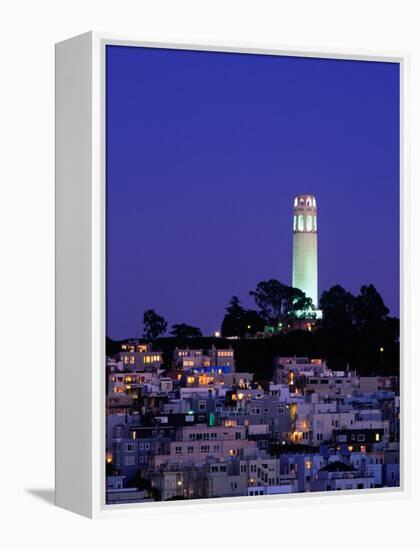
[
  {"x": 377, "y": 438},
  {"x": 309, "y": 223},
  {"x": 294, "y": 223},
  {"x": 300, "y": 223},
  {"x": 296, "y": 201},
  {"x": 314, "y": 223}
]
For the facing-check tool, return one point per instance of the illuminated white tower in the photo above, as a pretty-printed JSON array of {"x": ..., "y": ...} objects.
[{"x": 305, "y": 247}]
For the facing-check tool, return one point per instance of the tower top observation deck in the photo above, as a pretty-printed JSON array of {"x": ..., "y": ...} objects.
[{"x": 305, "y": 214}]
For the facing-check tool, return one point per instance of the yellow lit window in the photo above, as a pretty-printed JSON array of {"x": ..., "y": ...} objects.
[{"x": 231, "y": 423}]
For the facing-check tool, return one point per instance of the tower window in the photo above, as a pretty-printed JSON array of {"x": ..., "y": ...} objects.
[
  {"x": 300, "y": 223},
  {"x": 314, "y": 223},
  {"x": 294, "y": 223},
  {"x": 309, "y": 202},
  {"x": 302, "y": 202},
  {"x": 309, "y": 223},
  {"x": 313, "y": 202},
  {"x": 296, "y": 201}
]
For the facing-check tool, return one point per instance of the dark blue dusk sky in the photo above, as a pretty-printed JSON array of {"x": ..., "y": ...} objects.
[{"x": 205, "y": 152}]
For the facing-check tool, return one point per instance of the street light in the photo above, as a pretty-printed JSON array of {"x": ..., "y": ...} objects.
[{"x": 381, "y": 351}]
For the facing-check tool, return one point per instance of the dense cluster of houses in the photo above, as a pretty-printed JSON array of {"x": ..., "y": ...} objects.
[{"x": 191, "y": 426}]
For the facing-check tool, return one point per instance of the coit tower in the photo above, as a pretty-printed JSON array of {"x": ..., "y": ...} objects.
[{"x": 305, "y": 246}]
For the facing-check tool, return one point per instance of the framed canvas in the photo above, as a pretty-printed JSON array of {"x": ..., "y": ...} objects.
[{"x": 229, "y": 265}]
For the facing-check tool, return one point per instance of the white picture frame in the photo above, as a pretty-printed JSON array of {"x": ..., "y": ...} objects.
[{"x": 80, "y": 272}]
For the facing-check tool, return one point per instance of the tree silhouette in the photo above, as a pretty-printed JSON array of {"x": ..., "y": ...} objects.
[
  {"x": 232, "y": 321},
  {"x": 369, "y": 307},
  {"x": 337, "y": 307},
  {"x": 278, "y": 302},
  {"x": 183, "y": 330},
  {"x": 154, "y": 324},
  {"x": 239, "y": 321}
]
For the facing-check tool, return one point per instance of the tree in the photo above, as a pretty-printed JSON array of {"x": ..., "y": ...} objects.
[
  {"x": 239, "y": 321},
  {"x": 185, "y": 331},
  {"x": 369, "y": 307},
  {"x": 337, "y": 307},
  {"x": 154, "y": 324},
  {"x": 234, "y": 309},
  {"x": 252, "y": 322},
  {"x": 278, "y": 302},
  {"x": 232, "y": 321},
  {"x": 300, "y": 305}
]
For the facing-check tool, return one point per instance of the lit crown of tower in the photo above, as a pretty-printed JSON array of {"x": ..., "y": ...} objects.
[
  {"x": 305, "y": 246},
  {"x": 305, "y": 214}
]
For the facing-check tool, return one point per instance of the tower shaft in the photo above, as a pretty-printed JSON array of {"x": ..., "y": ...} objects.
[{"x": 305, "y": 246}]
